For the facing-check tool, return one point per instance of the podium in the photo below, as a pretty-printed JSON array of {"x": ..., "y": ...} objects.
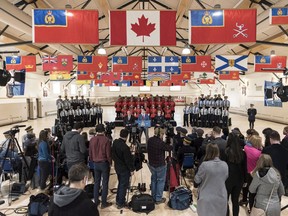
[{"x": 146, "y": 122}]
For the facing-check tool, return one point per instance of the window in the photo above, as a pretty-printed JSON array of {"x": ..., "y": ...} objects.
[
  {"x": 56, "y": 88},
  {"x": 84, "y": 90},
  {"x": 175, "y": 88},
  {"x": 114, "y": 88}
]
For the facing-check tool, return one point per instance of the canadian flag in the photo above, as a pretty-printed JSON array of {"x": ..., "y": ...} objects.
[{"x": 143, "y": 28}]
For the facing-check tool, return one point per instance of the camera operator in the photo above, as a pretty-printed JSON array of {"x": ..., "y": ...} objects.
[
  {"x": 156, "y": 148},
  {"x": 29, "y": 130},
  {"x": 159, "y": 119},
  {"x": 178, "y": 140},
  {"x": 124, "y": 166},
  {"x": 128, "y": 121},
  {"x": 74, "y": 146}
]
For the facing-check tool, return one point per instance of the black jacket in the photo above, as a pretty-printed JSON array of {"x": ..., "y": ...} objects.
[
  {"x": 122, "y": 156},
  {"x": 128, "y": 122},
  {"x": 80, "y": 205},
  {"x": 251, "y": 112}
]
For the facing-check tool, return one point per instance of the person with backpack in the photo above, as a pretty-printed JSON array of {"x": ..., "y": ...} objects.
[{"x": 72, "y": 200}]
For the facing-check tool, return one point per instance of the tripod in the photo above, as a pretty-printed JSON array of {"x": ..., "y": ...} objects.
[{"x": 10, "y": 153}]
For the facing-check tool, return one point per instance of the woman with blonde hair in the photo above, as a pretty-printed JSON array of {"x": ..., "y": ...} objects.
[
  {"x": 268, "y": 186},
  {"x": 210, "y": 178},
  {"x": 253, "y": 151}
]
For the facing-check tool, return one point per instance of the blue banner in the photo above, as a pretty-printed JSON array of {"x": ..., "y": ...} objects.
[{"x": 50, "y": 17}]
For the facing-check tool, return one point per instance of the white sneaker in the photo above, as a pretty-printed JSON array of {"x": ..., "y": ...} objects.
[{"x": 193, "y": 207}]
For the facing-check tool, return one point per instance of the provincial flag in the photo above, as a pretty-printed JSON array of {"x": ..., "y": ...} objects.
[
  {"x": 127, "y": 64},
  {"x": 83, "y": 82},
  {"x": 137, "y": 83},
  {"x": 106, "y": 77},
  {"x": 142, "y": 28},
  {"x": 196, "y": 63},
  {"x": 93, "y": 63},
  {"x": 21, "y": 62},
  {"x": 270, "y": 63},
  {"x": 231, "y": 63},
  {"x": 65, "y": 26},
  {"x": 222, "y": 26},
  {"x": 203, "y": 77},
  {"x": 122, "y": 83},
  {"x": 229, "y": 75},
  {"x": 86, "y": 75},
  {"x": 131, "y": 76},
  {"x": 166, "y": 83},
  {"x": 57, "y": 63},
  {"x": 151, "y": 83},
  {"x": 278, "y": 16},
  {"x": 59, "y": 76},
  {"x": 158, "y": 76},
  {"x": 169, "y": 64},
  {"x": 184, "y": 75}
]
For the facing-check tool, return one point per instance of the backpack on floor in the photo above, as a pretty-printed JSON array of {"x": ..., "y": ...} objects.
[
  {"x": 38, "y": 205},
  {"x": 181, "y": 198},
  {"x": 142, "y": 203}
]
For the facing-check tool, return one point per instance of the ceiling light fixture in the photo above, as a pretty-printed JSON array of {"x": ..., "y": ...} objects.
[
  {"x": 186, "y": 50},
  {"x": 101, "y": 50},
  {"x": 272, "y": 53}
]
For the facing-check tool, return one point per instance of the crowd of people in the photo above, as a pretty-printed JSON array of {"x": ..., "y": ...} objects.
[
  {"x": 207, "y": 112},
  {"x": 78, "y": 110}
]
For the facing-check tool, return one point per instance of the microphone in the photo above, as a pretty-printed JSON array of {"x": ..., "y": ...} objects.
[{"x": 20, "y": 126}]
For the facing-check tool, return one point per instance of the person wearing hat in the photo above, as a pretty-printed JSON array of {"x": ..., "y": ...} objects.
[
  {"x": 73, "y": 145},
  {"x": 186, "y": 149},
  {"x": 29, "y": 130},
  {"x": 100, "y": 154},
  {"x": 179, "y": 141},
  {"x": 226, "y": 103},
  {"x": 251, "y": 112}
]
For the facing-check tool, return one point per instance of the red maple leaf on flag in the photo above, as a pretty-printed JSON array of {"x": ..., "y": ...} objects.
[{"x": 143, "y": 28}]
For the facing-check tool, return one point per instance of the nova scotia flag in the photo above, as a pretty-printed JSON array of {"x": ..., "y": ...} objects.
[{"x": 169, "y": 64}]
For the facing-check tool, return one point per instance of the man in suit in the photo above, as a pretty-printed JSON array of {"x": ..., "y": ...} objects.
[
  {"x": 128, "y": 121},
  {"x": 251, "y": 112},
  {"x": 142, "y": 118},
  {"x": 159, "y": 119}
]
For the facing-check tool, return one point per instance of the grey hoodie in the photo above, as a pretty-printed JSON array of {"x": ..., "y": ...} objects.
[
  {"x": 262, "y": 184},
  {"x": 74, "y": 147},
  {"x": 66, "y": 195}
]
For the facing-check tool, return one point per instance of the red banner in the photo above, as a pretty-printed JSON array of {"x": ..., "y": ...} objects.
[
  {"x": 86, "y": 75},
  {"x": 127, "y": 64},
  {"x": 196, "y": 63},
  {"x": 21, "y": 62},
  {"x": 65, "y": 26},
  {"x": 229, "y": 75},
  {"x": 93, "y": 63},
  {"x": 270, "y": 63}
]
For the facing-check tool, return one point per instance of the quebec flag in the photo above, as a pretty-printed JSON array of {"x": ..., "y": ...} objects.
[{"x": 168, "y": 64}]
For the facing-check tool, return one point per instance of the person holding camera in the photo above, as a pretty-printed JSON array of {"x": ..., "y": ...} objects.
[
  {"x": 124, "y": 166},
  {"x": 128, "y": 122},
  {"x": 100, "y": 154},
  {"x": 156, "y": 149},
  {"x": 72, "y": 200}
]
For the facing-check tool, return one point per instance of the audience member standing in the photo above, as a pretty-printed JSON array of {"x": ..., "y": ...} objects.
[
  {"x": 268, "y": 187},
  {"x": 278, "y": 154},
  {"x": 156, "y": 148},
  {"x": 100, "y": 154},
  {"x": 73, "y": 146},
  {"x": 124, "y": 166},
  {"x": 284, "y": 141},
  {"x": 251, "y": 112},
  {"x": 210, "y": 181},
  {"x": 99, "y": 114},
  {"x": 236, "y": 161}
]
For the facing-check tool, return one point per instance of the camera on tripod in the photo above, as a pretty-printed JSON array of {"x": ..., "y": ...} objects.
[
  {"x": 109, "y": 127},
  {"x": 14, "y": 130}
]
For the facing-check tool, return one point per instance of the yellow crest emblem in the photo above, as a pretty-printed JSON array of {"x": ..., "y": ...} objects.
[
  {"x": 119, "y": 61},
  {"x": 263, "y": 60},
  {"x": 231, "y": 62},
  {"x": 91, "y": 75},
  {"x": 84, "y": 59},
  {"x": 188, "y": 60},
  {"x": 13, "y": 61},
  {"x": 49, "y": 18},
  {"x": 207, "y": 18},
  {"x": 279, "y": 12}
]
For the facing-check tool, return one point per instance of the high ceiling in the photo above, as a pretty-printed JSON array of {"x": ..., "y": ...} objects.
[{"x": 16, "y": 32}]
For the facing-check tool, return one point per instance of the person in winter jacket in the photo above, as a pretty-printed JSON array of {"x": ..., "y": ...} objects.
[
  {"x": 73, "y": 200},
  {"x": 74, "y": 146},
  {"x": 267, "y": 180}
]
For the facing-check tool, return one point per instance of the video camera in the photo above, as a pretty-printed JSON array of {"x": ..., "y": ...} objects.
[
  {"x": 169, "y": 128},
  {"x": 14, "y": 130},
  {"x": 109, "y": 127},
  {"x": 58, "y": 130}
]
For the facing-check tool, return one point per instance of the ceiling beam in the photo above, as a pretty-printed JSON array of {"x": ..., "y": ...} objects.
[
  {"x": 182, "y": 7},
  {"x": 272, "y": 43},
  {"x": 104, "y": 7}
]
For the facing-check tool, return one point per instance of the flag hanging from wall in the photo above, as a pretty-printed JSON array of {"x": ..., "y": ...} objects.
[
  {"x": 57, "y": 63},
  {"x": 65, "y": 26},
  {"x": 142, "y": 28},
  {"x": 184, "y": 75},
  {"x": 196, "y": 63},
  {"x": 158, "y": 76},
  {"x": 222, "y": 26},
  {"x": 59, "y": 76},
  {"x": 278, "y": 16},
  {"x": 270, "y": 63},
  {"x": 231, "y": 63},
  {"x": 229, "y": 75},
  {"x": 28, "y": 63},
  {"x": 127, "y": 64},
  {"x": 203, "y": 77},
  {"x": 86, "y": 75},
  {"x": 93, "y": 63},
  {"x": 168, "y": 64}
]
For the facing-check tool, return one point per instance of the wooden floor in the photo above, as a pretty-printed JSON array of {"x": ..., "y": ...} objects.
[{"x": 141, "y": 176}]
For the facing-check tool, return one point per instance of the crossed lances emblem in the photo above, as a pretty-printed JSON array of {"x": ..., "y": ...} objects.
[{"x": 240, "y": 31}]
